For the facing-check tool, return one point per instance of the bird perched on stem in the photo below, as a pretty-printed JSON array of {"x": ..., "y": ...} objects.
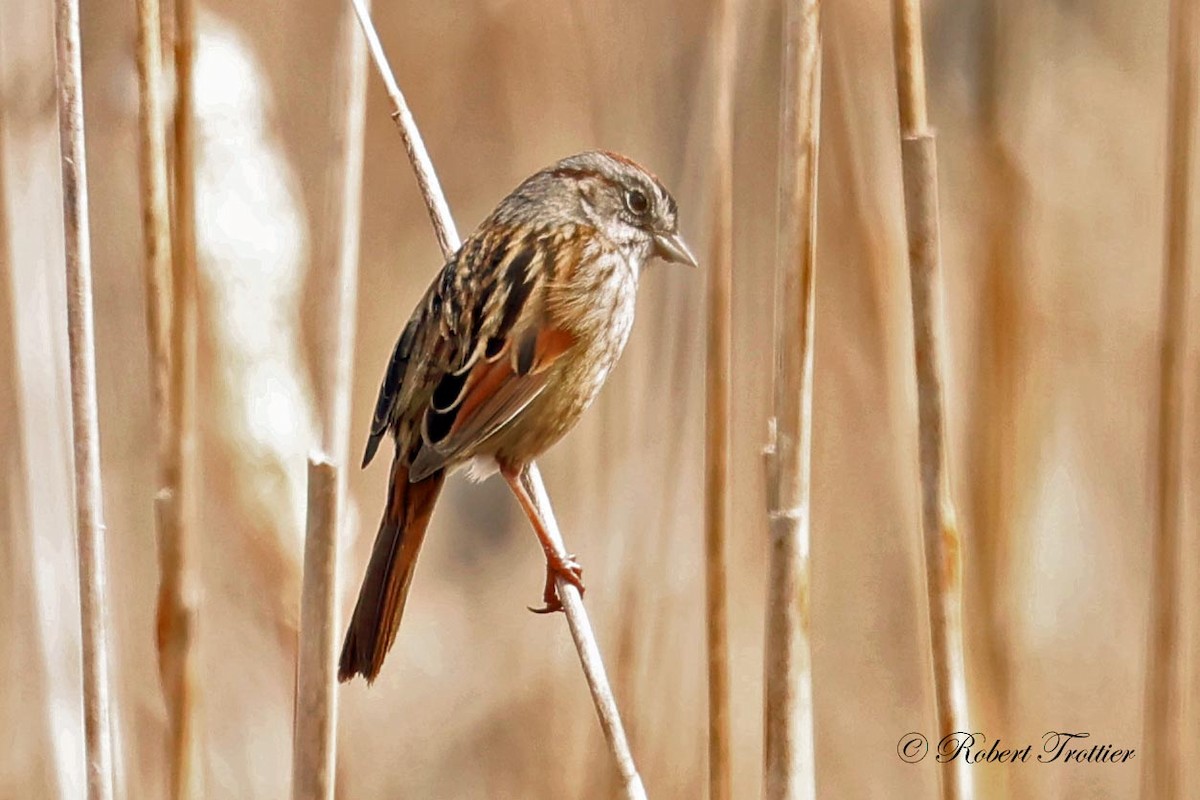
[{"x": 510, "y": 344}]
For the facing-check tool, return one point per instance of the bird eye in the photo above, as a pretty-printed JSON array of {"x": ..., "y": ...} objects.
[{"x": 637, "y": 202}]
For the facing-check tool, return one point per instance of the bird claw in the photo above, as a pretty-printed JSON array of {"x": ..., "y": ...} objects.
[
  {"x": 566, "y": 568},
  {"x": 557, "y": 567},
  {"x": 548, "y": 608}
]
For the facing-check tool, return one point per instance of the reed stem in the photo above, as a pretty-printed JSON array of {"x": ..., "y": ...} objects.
[
  {"x": 315, "y": 742},
  {"x": 89, "y": 503},
  {"x": 314, "y": 748},
  {"x": 717, "y": 409},
  {"x": 940, "y": 536},
  {"x": 1165, "y": 670},
  {"x": 175, "y": 503},
  {"x": 789, "y": 770}
]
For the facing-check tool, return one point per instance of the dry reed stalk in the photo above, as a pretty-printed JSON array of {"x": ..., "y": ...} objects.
[
  {"x": 335, "y": 372},
  {"x": 414, "y": 145},
  {"x": 717, "y": 408},
  {"x": 589, "y": 651},
  {"x": 89, "y": 506},
  {"x": 315, "y": 745},
  {"x": 942, "y": 547},
  {"x": 155, "y": 201},
  {"x": 789, "y": 771},
  {"x": 175, "y": 502},
  {"x": 174, "y": 634},
  {"x": 577, "y": 618},
  {"x": 316, "y": 702},
  {"x": 1161, "y": 773}
]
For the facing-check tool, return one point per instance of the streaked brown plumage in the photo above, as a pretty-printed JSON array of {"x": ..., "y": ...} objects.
[{"x": 510, "y": 344}]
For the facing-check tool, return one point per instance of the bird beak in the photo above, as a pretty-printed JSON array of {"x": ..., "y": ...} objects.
[{"x": 671, "y": 247}]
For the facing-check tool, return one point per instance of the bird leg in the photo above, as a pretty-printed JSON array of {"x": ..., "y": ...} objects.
[{"x": 558, "y": 565}]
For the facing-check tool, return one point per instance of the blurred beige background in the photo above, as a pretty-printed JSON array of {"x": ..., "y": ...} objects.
[{"x": 1051, "y": 120}]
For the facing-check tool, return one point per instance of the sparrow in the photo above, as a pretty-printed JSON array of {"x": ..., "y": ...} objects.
[{"x": 510, "y": 344}]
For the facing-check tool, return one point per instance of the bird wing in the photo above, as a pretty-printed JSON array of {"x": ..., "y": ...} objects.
[
  {"x": 479, "y": 347},
  {"x": 389, "y": 389}
]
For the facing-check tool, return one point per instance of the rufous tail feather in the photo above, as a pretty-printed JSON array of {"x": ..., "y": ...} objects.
[{"x": 389, "y": 573}]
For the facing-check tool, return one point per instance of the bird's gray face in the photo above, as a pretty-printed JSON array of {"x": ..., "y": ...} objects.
[
  {"x": 632, "y": 208},
  {"x": 649, "y": 210}
]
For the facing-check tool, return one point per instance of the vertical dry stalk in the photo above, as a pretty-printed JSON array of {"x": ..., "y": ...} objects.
[
  {"x": 315, "y": 744},
  {"x": 943, "y": 570},
  {"x": 89, "y": 507},
  {"x": 156, "y": 211},
  {"x": 174, "y": 635},
  {"x": 789, "y": 771},
  {"x": 1161, "y": 774},
  {"x": 335, "y": 371},
  {"x": 176, "y": 499},
  {"x": 577, "y": 618},
  {"x": 316, "y": 702},
  {"x": 717, "y": 408}
]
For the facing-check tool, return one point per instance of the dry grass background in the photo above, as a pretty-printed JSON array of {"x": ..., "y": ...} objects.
[{"x": 1051, "y": 120}]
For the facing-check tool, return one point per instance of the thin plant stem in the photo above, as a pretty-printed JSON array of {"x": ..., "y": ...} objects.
[
  {"x": 1165, "y": 674},
  {"x": 789, "y": 771},
  {"x": 174, "y": 634},
  {"x": 585, "y": 643},
  {"x": 339, "y": 363},
  {"x": 155, "y": 201},
  {"x": 577, "y": 617},
  {"x": 414, "y": 145},
  {"x": 315, "y": 745},
  {"x": 89, "y": 507},
  {"x": 316, "y": 702},
  {"x": 717, "y": 409},
  {"x": 942, "y": 547},
  {"x": 176, "y": 499}
]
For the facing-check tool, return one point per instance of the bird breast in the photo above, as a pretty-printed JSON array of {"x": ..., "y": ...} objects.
[{"x": 596, "y": 304}]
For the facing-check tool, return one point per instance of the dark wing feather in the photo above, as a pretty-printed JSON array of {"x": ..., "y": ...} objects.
[
  {"x": 476, "y": 350},
  {"x": 426, "y": 348},
  {"x": 497, "y": 391},
  {"x": 510, "y": 353},
  {"x": 390, "y": 389}
]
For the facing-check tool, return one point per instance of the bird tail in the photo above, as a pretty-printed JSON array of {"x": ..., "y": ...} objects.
[{"x": 389, "y": 573}]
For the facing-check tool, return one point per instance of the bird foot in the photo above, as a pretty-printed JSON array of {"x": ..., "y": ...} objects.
[{"x": 557, "y": 567}]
